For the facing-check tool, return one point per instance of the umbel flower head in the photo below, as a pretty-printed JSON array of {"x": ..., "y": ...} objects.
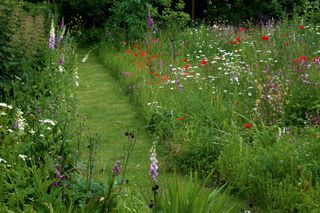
[{"x": 52, "y": 36}]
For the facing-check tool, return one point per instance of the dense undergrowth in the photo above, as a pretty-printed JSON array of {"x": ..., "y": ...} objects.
[
  {"x": 242, "y": 103},
  {"x": 40, "y": 169}
]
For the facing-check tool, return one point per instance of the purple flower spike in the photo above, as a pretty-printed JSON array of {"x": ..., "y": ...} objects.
[
  {"x": 52, "y": 36},
  {"x": 59, "y": 39},
  {"x": 54, "y": 184},
  {"x": 51, "y": 42},
  {"x": 153, "y": 170},
  {"x": 58, "y": 172},
  {"x": 116, "y": 169},
  {"x": 150, "y": 22},
  {"x": 62, "y": 23},
  {"x": 62, "y": 60}
]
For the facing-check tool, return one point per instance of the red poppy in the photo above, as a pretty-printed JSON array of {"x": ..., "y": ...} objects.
[
  {"x": 265, "y": 38},
  {"x": 238, "y": 39},
  {"x": 180, "y": 118},
  {"x": 142, "y": 53},
  {"x": 247, "y": 125},
  {"x": 286, "y": 43},
  {"x": 234, "y": 42},
  {"x": 301, "y": 59},
  {"x": 136, "y": 54},
  {"x": 203, "y": 62},
  {"x": 186, "y": 67},
  {"x": 150, "y": 72},
  {"x": 316, "y": 60},
  {"x": 185, "y": 60},
  {"x": 157, "y": 75},
  {"x": 242, "y": 29},
  {"x": 301, "y": 27},
  {"x": 128, "y": 51}
]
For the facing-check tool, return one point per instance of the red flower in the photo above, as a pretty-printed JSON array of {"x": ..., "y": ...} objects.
[
  {"x": 185, "y": 60},
  {"x": 247, "y": 125},
  {"x": 186, "y": 67},
  {"x": 286, "y": 43},
  {"x": 180, "y": 118},
  {"x": 165, "y": 78},
  {"x": 150, "y": 72},
  {"x": 234, "y": 42},
  {"x": 128, "y": 51},
  {"x": 265, "y": 38},
  {"x": 157, "y": 75},
  {"x": 242, "y": 29},
  {"x": 142, "y": 53},
  {"x": 301, "y": 27},
  {"x": 238, "y": 39},
  {"x": 203, "y": 62},
  {"x": 301, "y": 59},
  {"x": 136, "y": 54},
  {"x": 153, "y": 56},
  {"x": 316, "y": 60}
]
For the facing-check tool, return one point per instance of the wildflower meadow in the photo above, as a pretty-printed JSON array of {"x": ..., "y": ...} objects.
[{"x": 215, "y": 114}]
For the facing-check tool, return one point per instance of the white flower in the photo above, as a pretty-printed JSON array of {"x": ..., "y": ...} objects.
[
  {"x": 3, "y": 160},
  {"x": 61, "y": 69},
  {"x": 85, "y": 57},
  {"x": 48, "y": 121},
  {"x": 21, "y": 124},
  {"x": 3, "y": 113},
  {"x": 5, "y": 105},
  {"x": 23, "y": 157}
]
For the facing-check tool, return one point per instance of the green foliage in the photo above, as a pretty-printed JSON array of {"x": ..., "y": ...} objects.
[
  {"x": 174, "y": 21},
  {"x": 129, "y": 18},
  {"x": 94, "y": 13},
  {"x": 280, "y": 175},
  {"x": 311, "y": 9},
  {"x": 257, "y": 12},
  {"x": 178, "y": 195}
]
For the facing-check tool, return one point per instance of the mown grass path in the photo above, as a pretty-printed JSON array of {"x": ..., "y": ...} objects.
[{"x": 107, "y": 111}]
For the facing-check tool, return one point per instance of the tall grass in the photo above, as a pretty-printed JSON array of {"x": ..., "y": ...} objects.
[{"x": 231, "y": 100}]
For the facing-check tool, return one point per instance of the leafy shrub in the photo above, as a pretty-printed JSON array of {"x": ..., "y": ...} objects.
[{"x": 128, "y": 17}]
